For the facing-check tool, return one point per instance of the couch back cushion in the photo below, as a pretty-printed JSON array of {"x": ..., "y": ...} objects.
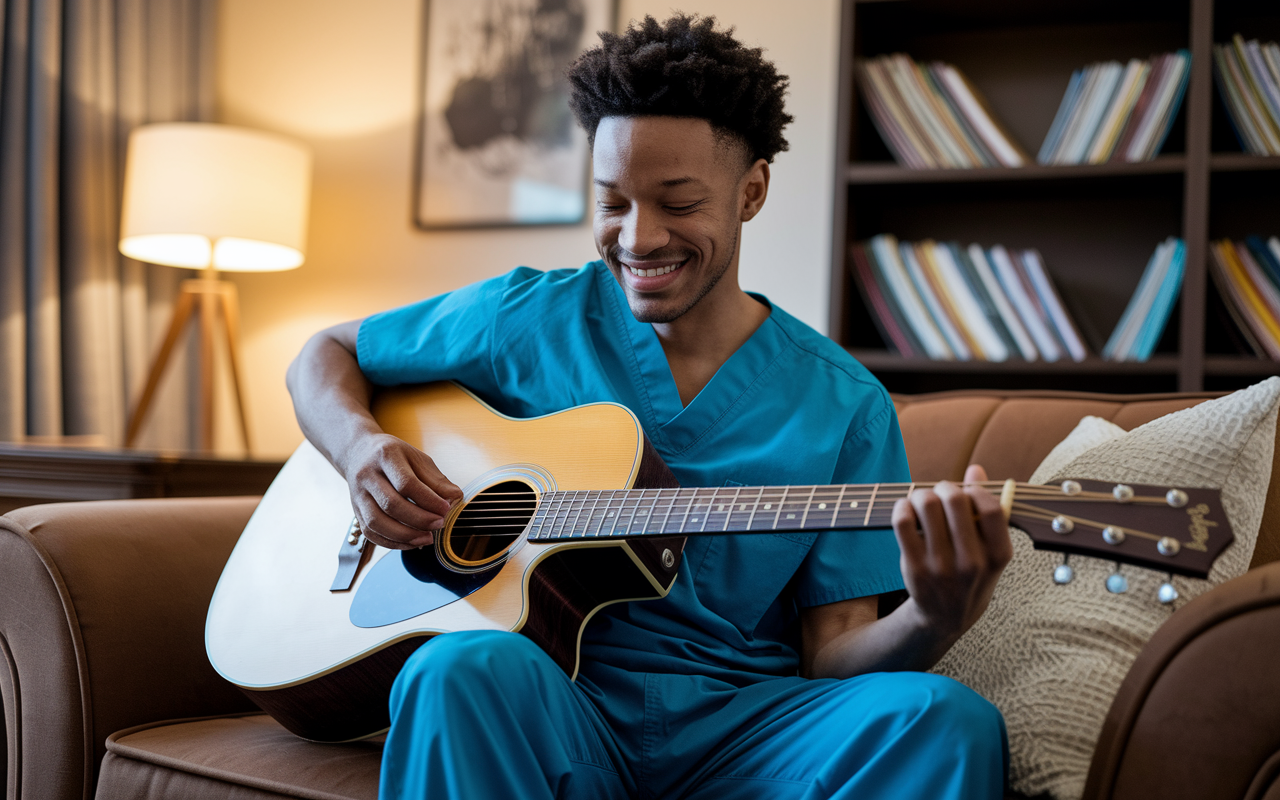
[{"x": 1010, "y": 433}]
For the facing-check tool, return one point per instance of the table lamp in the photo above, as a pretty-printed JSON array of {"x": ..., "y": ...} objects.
[{"x": 211, "y": 197}]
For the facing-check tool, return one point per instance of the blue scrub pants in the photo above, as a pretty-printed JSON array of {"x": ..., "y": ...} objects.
[{"x": 479, "y": 715}]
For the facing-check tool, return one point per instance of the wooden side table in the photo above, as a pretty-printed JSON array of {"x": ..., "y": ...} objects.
[{"x": 32, "y": 474}]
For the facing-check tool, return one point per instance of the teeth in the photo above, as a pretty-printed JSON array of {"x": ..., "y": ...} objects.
[{"x": 653, "y": 273}]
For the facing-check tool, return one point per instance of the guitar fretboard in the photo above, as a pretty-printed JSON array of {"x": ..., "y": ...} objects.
[{"x": 563, "y": 516}]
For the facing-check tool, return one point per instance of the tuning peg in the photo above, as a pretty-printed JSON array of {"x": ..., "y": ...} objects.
[
  {"x": 1117, "y": 583},
  {"x": 1167, "y": 592},
  {"x": 1063, "y": 573}
]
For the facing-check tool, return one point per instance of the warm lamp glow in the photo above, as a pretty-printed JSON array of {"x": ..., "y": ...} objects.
[{"x": 198, "y": 195}]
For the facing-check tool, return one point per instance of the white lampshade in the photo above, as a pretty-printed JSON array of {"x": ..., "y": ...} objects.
[{"x": 199, "y": 195}]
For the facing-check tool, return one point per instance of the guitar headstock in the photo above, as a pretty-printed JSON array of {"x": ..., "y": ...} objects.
[{"x": 1180, "y": 531}]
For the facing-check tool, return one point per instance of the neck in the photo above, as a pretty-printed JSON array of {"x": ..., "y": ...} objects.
[{"x": 565, "y": 516}]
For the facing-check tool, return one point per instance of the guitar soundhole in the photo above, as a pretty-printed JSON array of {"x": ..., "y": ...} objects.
[{"x": 491, "y": 522}]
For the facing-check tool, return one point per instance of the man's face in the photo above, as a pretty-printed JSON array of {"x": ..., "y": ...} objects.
[{"x": 668, "y": 210}]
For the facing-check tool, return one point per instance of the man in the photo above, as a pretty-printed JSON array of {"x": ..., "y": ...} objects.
[{"x": 765, "y": 673}]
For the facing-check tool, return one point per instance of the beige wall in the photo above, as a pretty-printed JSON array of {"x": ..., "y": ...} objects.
[{"x": 341, "y": 75}]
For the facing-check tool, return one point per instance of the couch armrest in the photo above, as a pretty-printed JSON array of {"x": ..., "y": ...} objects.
[
  {"x": 102, "y": 609},
  {"x": 1198, "y": 715}
]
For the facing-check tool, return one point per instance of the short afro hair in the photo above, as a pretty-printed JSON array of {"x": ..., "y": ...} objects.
[{"x": 682, "y": 68}]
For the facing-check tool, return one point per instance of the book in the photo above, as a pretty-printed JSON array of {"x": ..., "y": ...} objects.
[
  {"x": 1238, "y": 292},
  {"x": 930, "y": 116},
  {"x": 885, "y": 313},
  {"x": 1147, "y": 313},
  {"x": 960, "y": 257},
  {"x": 1117, "y": 112},
  {"x": 884, "y": 257},
  {"x": 1022, "y": 339},
  {"x": 989, "y": 345},
  {"x": 1028, "y": 307},
  {"x": 1052, "y": 303},
  {"x": 1158, "y": 317},
  {"x": 931, "y": 301},
  {"x": 1247, "y": 75},
  {"x": 947, "y": 304}
]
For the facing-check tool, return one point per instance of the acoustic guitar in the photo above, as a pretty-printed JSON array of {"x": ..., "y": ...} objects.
[{"x": 562, "y": 515}]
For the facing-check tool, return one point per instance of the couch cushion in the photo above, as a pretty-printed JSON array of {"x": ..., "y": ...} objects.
[
  {"x": 248, "y": 756},
  {"x": 1052, "y": 657}
]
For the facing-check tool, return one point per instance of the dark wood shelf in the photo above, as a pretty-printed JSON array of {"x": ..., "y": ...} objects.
[
  {"x": 1096, "y": 225},
  {"x": 1242, "y": 366},
  {"x": 884, "y": 173},
  {"x": 1242, "y": 162},
  {"x": 884, "y": 361}
]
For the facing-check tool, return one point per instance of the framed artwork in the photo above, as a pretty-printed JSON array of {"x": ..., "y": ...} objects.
[{"x": 497, "y": 144}]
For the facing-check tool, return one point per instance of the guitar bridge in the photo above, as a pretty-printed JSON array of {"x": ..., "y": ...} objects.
[{"x": 349, "y": 557}]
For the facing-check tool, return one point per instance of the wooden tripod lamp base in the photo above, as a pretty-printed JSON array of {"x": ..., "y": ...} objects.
[{"x": 214, "y": 301}]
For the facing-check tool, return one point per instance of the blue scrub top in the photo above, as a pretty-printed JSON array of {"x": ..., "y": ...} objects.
[{"x": 789, "y": 407}]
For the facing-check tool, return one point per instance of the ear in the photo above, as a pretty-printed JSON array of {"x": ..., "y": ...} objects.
[{"x": 754, "y": 187}]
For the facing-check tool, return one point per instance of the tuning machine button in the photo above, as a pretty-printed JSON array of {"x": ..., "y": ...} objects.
[
  {"x": 1175, "y": 498},
  {"x": 1112, "y": 535},
  {"x": 1117, "y": 583},
  {"x": 1167, "y": 593},
  {"x": 1071, "y": 488},
  {"x": 1122, "y": 493},
  {"x": 1062, "y": 524},
  {"x": 1063, "y": 573},
  {"x": 1168, "y": 546}
]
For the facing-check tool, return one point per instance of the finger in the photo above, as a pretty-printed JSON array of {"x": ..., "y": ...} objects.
[
  {"x": 907, "y": 529},
  {"x": 382, "y": 530},
  {"x": 959, "y": 510},
  {"x": 430, "y": 474},
  {"x": 400, "y": 509},
  {"x": 933, "y": 522},
  {"x": 406, "y": 482},
  {"x": 993, "y": 527},
  {"x": 975, "y": 473}
]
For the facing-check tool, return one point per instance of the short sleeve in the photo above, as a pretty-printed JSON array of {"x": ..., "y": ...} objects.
[
  {"x": 449, "y": 337},
  {"x": 843, "y": 565}
]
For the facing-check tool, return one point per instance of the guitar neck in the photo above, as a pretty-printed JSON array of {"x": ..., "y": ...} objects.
[{"x": 566, "y": 516}]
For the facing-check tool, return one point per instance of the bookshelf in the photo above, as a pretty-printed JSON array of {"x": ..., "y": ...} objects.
[{"x": 1096, "y": 225}]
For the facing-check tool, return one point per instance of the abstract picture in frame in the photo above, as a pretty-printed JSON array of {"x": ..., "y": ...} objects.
[{"x": 497, "y": 144}]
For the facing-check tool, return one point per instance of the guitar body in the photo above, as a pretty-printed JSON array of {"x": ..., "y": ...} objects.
[{"x": 320, "y": 655}]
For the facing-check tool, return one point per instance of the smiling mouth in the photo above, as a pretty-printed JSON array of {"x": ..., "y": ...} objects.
[{"x": 653, "y": 273}]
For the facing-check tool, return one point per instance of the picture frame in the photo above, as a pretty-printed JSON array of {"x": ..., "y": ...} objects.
[{"x": 497, "y": 145}]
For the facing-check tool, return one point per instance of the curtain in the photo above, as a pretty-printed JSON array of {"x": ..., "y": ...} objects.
[{"x": 78, "y": 321}]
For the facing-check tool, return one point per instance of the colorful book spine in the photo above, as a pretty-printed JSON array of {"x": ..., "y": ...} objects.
[
  {"x": 885, "y": 313},
  {"x": 1117, "y": 112},
  {"x": 1247, "y": 76},
  {"x": 931, "y": 116},
  {"x": 884, "y": 250},
  {"x": 1016, "y": 287},
  {"x": 1052, "y": 302}
]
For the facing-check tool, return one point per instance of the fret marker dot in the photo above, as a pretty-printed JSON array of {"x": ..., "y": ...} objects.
[
  {"x": 721, "y": 508},
  {"x": 768, "y": 506},
  {"x": 791, "y": 516},
  {"x": 822, "y": 506},
  {"x": 742, "y": 507},
  {"x": 610, "y": 514},
  {"x": 695, "y": 519},
  {"x": 853, "y": 504}
]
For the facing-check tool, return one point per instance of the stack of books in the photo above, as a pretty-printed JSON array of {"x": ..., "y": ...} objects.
[
  {"x": 1145, "y": 318},
  {"x": 1117, "y": 112},
  {"x": 930, "y": 116},
  {"x": 1248, "y": 78},
  {"x": 1247, "y": 275},
  {"x": 945, "y": 301}
]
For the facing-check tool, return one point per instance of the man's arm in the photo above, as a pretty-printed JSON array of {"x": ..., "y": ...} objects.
[
  {"x": 398, "y": 494},
  {"x": 955, "y": 543}
]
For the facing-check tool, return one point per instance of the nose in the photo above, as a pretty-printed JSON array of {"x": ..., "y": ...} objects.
[{"x": 642, "y": 232}]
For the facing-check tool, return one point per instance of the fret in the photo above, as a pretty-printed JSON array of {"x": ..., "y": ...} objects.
[
  {"x": 610, "y": 514},
  {"x": 744, "y": 507},
  {"x": 702, "y": 515},
  {"x": 839, "y": 502},
  {"x": 853, "y": 508},
  {"x": 651, "y": 511},
  {"x": 670, "y": 506},
  {"x": 807, "y": 505},
  {"x": 768, "y": 507},
  {"x": 871, "y": 503},
  {"x": 576, "y": 505},
  {"x": 684, "y": 521},
  {"x": 557, "y": 523},
  {"x": 596, "y": 496},
  {"x": 821, "y": 508},
  {"x": 755, "y": 506},
  {"x": 634, "y": 502},
  {"x": 732, "y": 503}
]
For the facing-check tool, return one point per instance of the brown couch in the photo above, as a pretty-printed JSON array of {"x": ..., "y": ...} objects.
[{"x": 106, "y": 688}]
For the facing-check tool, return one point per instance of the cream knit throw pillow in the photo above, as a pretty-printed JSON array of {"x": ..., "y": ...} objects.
[{"x": 1052, "y": 657}]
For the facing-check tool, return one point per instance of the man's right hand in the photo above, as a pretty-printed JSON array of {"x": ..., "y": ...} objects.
[{"x": 398, "y": 493}]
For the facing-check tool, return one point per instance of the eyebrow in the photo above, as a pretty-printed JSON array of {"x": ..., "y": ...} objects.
[{"x": 668, "y": 183}]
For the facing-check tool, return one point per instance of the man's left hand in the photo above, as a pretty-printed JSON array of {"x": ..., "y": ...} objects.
[{"x": 955, "y": 543}]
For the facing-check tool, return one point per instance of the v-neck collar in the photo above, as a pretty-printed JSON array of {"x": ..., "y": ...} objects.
[{"x": 673, "y": 427}]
